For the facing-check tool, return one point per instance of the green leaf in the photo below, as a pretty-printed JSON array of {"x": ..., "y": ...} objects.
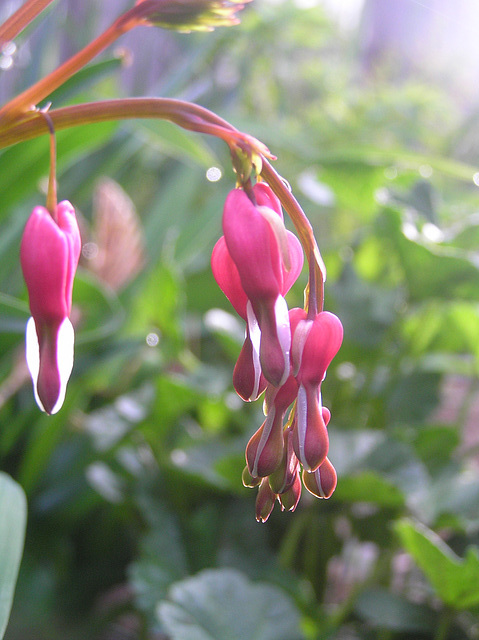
[
  {"x": 369, "y": 487},
  {"x": 223, "y": 603},
  {"x": 24, "y": 164},
  {"x": 389, "y": 611},
  {"x": 175, "y": 142},
  {"x": 83, "y": 79},
  {"x": 430, "y": 269},
  {"x": 162, "y": 559},
  {"x": 13, "y": 510},
  {"x": 455, "y": 580}
]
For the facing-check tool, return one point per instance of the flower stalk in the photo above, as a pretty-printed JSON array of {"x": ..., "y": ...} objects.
[
  {"x": 21, "y": 19},
  {"x": 286, "y": 352}
]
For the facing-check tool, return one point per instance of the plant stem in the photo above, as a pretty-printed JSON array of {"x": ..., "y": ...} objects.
[
  {"x": 188, "y": 116},
  {"x": 302, "y": 225},
  {"x": 21, "y": 18},
  {"x": 52, "y": 178},
  {"x": 27, "y": 100}
]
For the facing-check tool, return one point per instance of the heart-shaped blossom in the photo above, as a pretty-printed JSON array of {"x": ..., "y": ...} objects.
[
  {"x": 49, "y": 254},
  {"x": 258, "y": 260},
  {"x": 315, "y": 343}
]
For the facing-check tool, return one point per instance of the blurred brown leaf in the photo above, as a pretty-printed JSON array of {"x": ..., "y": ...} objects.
[{"x": 116, "y": 253}]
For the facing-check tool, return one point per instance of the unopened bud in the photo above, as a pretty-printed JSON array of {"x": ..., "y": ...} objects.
[
  {"x": 264, "y": 501},
  {"x": 289, "y": 499},
  {"x": 248, "y": 481},
  {"x": 322, "y": 482},
  {"x": 264, "y": 451}
]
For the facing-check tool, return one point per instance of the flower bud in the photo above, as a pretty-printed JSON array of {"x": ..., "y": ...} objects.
[
  {"x": 284, "y": 476},
  {"x": 189, "y": 15},
  {"x": 264, "y": 450},
  {"x": 248, "y": 379},
  {"x": 248, "y": 480},
  {"x": 315, "y": 343},
  {"x": 321, "y": 482},
  {"x": 289, "y": 499},
  {"x": 310, "y": 436},
  {"x": 264, "y": 501}
]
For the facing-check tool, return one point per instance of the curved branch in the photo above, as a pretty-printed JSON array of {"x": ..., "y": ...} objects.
[
  {"x": 188, "y": 116},
  {"x": 21, "y": 18}
]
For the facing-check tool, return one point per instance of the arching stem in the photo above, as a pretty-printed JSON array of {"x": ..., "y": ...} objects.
[
  {"x": 188, "y": 116},
  {"x": 20, "y": 19}
]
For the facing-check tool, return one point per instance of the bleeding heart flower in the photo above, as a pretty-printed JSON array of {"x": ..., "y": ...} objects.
[
  {"x": 315, "y": 343},
  {"x": 258, "y": 260},
  {"x": 49, "y": 254}
]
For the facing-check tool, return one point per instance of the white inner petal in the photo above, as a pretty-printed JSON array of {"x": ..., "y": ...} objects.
[
  {"x": 301, "y": 334},
  {"x": 302, "y": 413},
  {"x": 317, "y": 475},
  {"x": 255, "y": 337},
  {"x": 66, "y": 338},
  {"x": 283, "y": 332},
  {"x": 32, "y": 354},
  {"x": 65, "y": 344}
]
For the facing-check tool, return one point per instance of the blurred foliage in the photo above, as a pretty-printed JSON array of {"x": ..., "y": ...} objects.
[{"x": 139, "y": 526}]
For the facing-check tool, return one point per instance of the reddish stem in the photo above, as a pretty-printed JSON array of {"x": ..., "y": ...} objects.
[
  {"x": 21, "y": 18},
  {"x": 189, "y": 116},
  {"x": 27, "y": 100}
]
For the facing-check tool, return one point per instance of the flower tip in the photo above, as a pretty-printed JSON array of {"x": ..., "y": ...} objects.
[
  {"x": 264, "y": 501},
  {"x": 190, "y": 15},
  {"x": 50, "y": 362},
  {"x": 322, "y": 482}
]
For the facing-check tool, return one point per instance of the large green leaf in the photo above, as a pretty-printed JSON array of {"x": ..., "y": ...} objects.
[
  {"x": 369, "y": 487},
  {"x": 389, "y": 611},
  {"x": 13, "y": 515},
  {"x": 223, "y": 603},
  {"x": 455, "y": 580},
  {"x": 162, "y": 558}
]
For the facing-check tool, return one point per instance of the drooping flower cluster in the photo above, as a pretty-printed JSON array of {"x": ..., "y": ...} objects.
[
  {"x": 49, "y": 255},
  {"x": 285, "y": 353}
]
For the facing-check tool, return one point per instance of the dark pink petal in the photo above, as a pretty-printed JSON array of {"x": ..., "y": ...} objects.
[
  {"x": 296, "y": 258},
  {"x": 265, "y": 197},
  {"x": 253, "y": 247},
  {"x": 67, "y": 222},
  {"x": 283, "y": 396},
  {"x": 326, "y": 415},
  {"x": 248, "y": 379},
  {"x": 315, "y": 343},
  {"x": 226, "y": 275},
  {"x": 46, "y": 265}
]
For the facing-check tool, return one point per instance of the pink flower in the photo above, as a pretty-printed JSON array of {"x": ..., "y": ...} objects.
[
  {"x": 49, "y": 254},
  {"x": 256, "y": 262},
  {"x": 322, "y": 482},
  {"x": 285, "y": 353},
  {"x": 315, "y": 343}
]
